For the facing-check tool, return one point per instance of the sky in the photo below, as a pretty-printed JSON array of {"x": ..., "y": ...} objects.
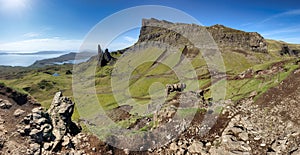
[{"x": 60, "y": 25}]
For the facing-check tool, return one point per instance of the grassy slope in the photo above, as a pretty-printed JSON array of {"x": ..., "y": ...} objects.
[{"x": 42, "y": 85}]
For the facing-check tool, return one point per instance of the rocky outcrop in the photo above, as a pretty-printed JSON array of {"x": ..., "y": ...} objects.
[
  {"x": 175, "y": 87},
  {"x": 27, "y": 128},
  {"x": 53, "y": 130},
  {"x": 104, "y": 58},
  {"x": 225, "y": 38},
  {"x": 285, "y": 50},
  {"x": 153, "y": 30}
]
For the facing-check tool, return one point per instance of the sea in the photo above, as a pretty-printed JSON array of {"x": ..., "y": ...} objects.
[{"x": 25, "y": 60}]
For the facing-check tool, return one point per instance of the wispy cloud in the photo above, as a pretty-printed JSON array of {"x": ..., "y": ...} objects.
[
  {"x": 122, "y": 43},
  {"x": 246, "y": 24},
  {"x": 32, "y": 45},
  {"x": 130, "y": 39},
  {"x": 283, "y": 14},
  {"x": 32, "y": 35},
  {"x": 292, "y": 40},
  {"x": 282, "y": 31}
]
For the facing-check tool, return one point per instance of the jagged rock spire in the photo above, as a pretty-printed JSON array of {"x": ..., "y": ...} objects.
[
  {"x": 103, "y": 57},
  {"x": 99, "y": 49}
]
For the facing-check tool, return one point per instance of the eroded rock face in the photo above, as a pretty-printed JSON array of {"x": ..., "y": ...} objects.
[
  {"x": 227, "y": 37},
  {"x": 152, "y": 30}
]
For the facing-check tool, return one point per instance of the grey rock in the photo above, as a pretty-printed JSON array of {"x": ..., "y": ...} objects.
[
  {"x": 5, "y": 104},
  {"x": 51, "y": 129},
  {"x": 46, "y": 128},
  {"x": 244, "y": 136},
  {"x": 19, "y": 112},
  {"x": 47, "y": 146},
  {"x": 173, "y": 146},
  {"x": 34, "y": 132},
  {"x": 104, "y": 57},
  {"x": 35, "y": 148},
  {"x": 196, "y": 147}
]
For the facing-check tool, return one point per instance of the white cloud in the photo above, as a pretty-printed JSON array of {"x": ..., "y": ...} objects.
[
  {"x": 119, "y": 46},
  {"x": 45, "y": 44},
  {"x": 246, "y": 24},
  {"x": 122, "y": 42},
  {"x": 130, "y": 39},
  {"x": 31, "y": 35}
]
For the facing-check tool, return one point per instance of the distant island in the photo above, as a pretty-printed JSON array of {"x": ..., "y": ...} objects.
[{"x": 66, "y": 58}]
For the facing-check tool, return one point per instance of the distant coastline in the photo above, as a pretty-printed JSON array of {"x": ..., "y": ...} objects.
[
  {"x": 33, "y": 53},
  {"x": 28, "y": 59}
]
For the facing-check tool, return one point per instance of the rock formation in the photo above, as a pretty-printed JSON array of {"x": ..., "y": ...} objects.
[
  {"x": 226, "y": 38},
  {"x": 235, "y": 39},
  {"x": 175, "y": 87},
  {"x": 104, "y": 58},
  {"x": 52, "y": 130},
  {"x": 285, "y": 50}
]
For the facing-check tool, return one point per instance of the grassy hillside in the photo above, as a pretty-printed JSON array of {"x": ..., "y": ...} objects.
[
  {"x": 41, "y": 84},
  {"x": 247, "y": 72}
]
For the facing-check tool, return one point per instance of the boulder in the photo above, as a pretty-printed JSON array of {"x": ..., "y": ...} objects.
[
  {"x": 196, "y": 147},
  {"x": 19, "y": 112},
  {"x": 5, "y": 104},
  {"x": 175, "y": 87}
]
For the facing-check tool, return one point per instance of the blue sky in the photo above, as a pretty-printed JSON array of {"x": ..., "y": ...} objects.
[{"x": 35, "y": 25}]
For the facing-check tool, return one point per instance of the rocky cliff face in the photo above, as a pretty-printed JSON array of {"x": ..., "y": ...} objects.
[
  {"x": 226, "y": 38},
  {"x": 230, "y": 38}
]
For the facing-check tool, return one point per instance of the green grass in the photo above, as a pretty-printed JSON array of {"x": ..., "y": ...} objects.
[
  {"x": 238, "y": 89},
  {"x": 43, "y": 86},
  {"x": 188, "y": 112},
  {"x": 236, "y": 62}
]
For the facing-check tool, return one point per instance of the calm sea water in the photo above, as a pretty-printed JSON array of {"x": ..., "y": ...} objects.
[{"x": 23, "y": 60}]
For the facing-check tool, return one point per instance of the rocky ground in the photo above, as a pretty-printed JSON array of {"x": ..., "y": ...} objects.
[
  {"x": 268, "y": 126},
  {"x": 27, "y": 128}
]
